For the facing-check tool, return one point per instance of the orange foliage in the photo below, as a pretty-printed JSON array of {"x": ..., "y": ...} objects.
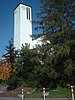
[{"x": 5, "y": 70}]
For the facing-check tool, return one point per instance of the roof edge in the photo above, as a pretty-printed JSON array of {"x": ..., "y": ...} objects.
[{"x": 22, "y": 4}]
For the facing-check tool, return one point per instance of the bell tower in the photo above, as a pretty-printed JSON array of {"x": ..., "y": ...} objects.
[{"x": 22, "y": 25}]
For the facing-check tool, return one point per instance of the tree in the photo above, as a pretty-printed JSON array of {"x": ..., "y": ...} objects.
[
  {"x": 11, "y": 52},
  {"x": 5, "y": 70},
  {"x": 44, "y": 73},
  {"x": 7, "y": 64},
  {"x": 57, "y": 21},
  {"x": 23, "y": 65}
]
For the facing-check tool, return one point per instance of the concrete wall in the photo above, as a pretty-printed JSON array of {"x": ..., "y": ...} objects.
[{"x": 22, "y": 26}]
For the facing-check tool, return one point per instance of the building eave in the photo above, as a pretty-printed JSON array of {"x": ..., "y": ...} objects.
[{"x": 22, "y": 4}]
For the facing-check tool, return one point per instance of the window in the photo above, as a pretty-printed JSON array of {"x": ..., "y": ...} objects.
[{"x": 28, "y": 13}]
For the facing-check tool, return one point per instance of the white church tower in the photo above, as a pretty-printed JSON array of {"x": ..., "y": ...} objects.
[{"x": 22, "y": 26}]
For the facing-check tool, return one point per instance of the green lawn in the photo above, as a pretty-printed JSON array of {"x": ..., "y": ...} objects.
[
  {"x": 58, "y": 92},
  {"x": 35, "y": 94}
]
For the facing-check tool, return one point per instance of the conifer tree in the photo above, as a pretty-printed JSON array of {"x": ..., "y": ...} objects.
[
  {"x": 10, "y": 54},
  {"x": 57, "y": 21}
]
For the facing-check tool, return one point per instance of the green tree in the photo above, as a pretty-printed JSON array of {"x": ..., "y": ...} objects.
[
  {"x": 45, "y": 74},
  {"x": 7, "y": 63},
  {"x": 23, "y": 65},
  {"x": 10, "y": 52},
  {"x": 57, "y": 21}
]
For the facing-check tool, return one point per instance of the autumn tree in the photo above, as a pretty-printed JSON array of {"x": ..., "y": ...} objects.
[{"x": 5, "y": 70}]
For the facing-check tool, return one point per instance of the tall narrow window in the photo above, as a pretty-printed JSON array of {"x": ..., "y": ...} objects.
[{"x": 28, "y": 13}]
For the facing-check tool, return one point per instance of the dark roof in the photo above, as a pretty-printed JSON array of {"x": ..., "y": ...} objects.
[{"x": 22, "y": 4}]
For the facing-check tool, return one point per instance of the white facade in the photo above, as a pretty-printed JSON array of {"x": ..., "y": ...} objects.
[
  {"x": 37, "y": 42},
  {"x": 22, "y": 26}
]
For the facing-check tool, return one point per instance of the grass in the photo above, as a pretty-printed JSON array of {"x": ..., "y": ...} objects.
[
  {"x": 35, "y": 94},
  {"x": 58, "y": 92}
]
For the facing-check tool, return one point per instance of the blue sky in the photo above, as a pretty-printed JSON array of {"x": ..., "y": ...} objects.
[{"x": 7, "y": 19}]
